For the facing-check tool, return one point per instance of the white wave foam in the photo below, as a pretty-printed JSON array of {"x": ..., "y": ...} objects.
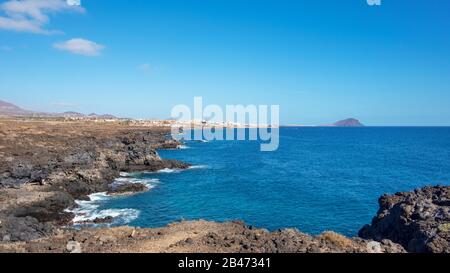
[
  {"x": 149, "y": 183},
  {"x": 183, "y": 147},
  {"x": 96, "y": 197},
  {"x": 88, "y": 211},
  {"x": 124, "y": 174},
  {"x": 199, "y": 167},
  {"x": 167, "y": 170}
]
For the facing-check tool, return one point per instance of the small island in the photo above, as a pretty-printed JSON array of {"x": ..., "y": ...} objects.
[{"x": 350, "y": 122}]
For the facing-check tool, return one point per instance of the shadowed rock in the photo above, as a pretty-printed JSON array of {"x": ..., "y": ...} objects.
[{"x": 418, "y": 220}]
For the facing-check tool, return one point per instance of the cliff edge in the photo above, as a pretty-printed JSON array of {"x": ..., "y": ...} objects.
[{"x": 418, "y": 220}]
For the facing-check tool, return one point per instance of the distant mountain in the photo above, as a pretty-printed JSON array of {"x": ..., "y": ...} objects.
[
  {"x": 350, "y": 122},
  {"x": 105, "y": 116},
  {"x": 71, "y": 114},
  {"x": 9, "y": 109}
]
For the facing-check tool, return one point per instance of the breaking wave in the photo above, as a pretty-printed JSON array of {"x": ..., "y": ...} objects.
[
  {"x": 198, "y": 167},
  {"x": 87, "y": 212},
  {"x": 150, "y": 183},
  {"x": 167, "y": 170}
]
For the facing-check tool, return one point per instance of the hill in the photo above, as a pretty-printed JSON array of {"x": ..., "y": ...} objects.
[
  {"x": 11, "y": 110},
  {"x": 350, "y": 122}
]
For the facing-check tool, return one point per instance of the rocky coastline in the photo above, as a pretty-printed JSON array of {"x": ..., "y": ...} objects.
[
  {"x": 418, "y": 220},
  {"x": 46, "y": 165}
]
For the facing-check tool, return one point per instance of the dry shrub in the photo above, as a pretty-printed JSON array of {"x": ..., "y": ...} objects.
[{"x": 336, "y": 239}]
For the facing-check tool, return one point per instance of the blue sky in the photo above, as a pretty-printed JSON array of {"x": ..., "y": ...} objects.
[{"x": 320, "y": 60}]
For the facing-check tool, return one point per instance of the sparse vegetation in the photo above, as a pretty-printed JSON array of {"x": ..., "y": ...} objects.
[
  {"x": 336, "y": 239},
  {"x": 444, "y": 227}
]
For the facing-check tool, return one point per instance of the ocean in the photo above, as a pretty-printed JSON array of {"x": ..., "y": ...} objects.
[{"x": 320, "y": 179}]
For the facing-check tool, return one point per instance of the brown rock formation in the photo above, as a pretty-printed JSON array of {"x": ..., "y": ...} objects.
[{"x": 419, "y": 220}]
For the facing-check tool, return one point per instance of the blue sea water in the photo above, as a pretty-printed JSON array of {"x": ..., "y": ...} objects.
[{"x": 320, "y": 178}]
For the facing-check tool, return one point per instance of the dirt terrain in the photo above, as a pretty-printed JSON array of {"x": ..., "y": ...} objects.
[{"x": 198, "y": 237}]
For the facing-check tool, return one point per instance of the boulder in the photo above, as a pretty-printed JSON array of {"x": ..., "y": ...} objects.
[
  {"x": 127, "y": 188},
  {"x": 417, "y": 220},
  {"x": 74, "y": 247}
]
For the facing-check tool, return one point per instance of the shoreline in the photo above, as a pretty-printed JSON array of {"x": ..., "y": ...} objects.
[
  {"x": 128, "y": 186},
  {"x": 49, "y": 165},
  {"x": 36, "y": 190}
]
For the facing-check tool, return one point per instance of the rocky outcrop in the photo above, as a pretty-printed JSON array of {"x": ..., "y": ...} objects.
[
  {"x": 106, "y": 220},
  {"x": 127, "y": 189},
  {"x": 88, "y": 159},
  {"x": 167, "y": 145},
  {"x": 199, "y": 237},
  {"x": 419, "y": 220},
  {"x": 247, "y": 239},
  {"x": 49, "y": 210},
  {"x": 46, "y": 165}
]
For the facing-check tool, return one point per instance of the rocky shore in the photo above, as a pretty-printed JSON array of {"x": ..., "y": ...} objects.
[
  {"x": 198, "y": 237},
  {"x": 46, "y": 165},
  {"x": 418, "y": 220}
]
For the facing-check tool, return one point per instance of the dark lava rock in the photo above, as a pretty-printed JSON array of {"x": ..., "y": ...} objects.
[
  {"x": 127, "y": 188},
  {"x": 23, "y": 228},
  {"x": 106, "y": 220},
  {"x": 168, "y": 144},
  {"x": 419, "y": 220},
  {"x": 21, "y": 169},
  {"x": 175, "y": 164},
  {"x": 49, "y": 210},
  {"x": 71, "y": 160}
]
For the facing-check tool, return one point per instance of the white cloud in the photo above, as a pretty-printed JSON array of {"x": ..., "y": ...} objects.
[
  {"x": 32, "y": 15},
  {"x": 80, "y": 46}
]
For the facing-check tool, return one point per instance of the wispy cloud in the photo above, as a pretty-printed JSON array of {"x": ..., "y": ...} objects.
[
  {"x": 32, "y": 15},
  {"x": 80, "y": 46}
]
